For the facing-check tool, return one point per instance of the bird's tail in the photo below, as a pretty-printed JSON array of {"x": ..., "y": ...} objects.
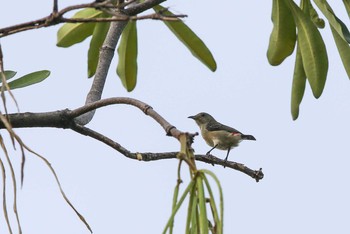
[{"x": 248, "y": 137}]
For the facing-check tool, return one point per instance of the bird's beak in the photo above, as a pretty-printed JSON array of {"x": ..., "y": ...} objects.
[{"x": 191, "y": 117}]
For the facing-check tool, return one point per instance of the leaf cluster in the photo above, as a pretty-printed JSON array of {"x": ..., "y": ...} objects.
[
  {"x": 197, "y": 190},
  {"x": 298, "y": 26},
  {"x": 72, "y": 33}
]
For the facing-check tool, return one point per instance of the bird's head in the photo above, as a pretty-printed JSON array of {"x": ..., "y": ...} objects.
[{"x": 202, "y": 118}]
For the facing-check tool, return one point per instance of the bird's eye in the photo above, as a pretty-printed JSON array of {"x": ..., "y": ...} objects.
[{"x": 202, "y": 115}]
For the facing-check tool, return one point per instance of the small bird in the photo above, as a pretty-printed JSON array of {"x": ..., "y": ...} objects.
[{"x": 218, "y": 135}]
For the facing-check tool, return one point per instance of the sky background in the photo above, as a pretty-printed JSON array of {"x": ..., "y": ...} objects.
[{"x": 305, "y": 162}]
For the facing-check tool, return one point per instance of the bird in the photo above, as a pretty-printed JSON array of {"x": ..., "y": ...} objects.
[{"x": 217, "y": 135}]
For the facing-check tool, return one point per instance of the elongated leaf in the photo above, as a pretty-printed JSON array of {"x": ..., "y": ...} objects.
[
  {"x": 127, "y": 51},
  {"x": 298, "y": 86},
  {"x": 29, "y": 79},
  {"x": 175, "y": 196},
  {"x": 179, "y": 203},
  {"x": 283, "y": 35},
  {"x": 344, "y": 50},
  {"x": 203, "y": 218},
  {"x": 217, "y": 221},
  {"x": 347, "y": 6},
  {"x": 313, "y": 14},
  {"x": 194, "y": 229},
  {"x": 189, "y": 39},
  {"x": 73, "y": 33},
  {"x": 220, "y": 224},
  {"x": 192, "y": 205},
  {"x": 8, "y": 75},
  {"x": 336, "y": 23},
  {"x": 312, "y": 48},
  {"x": 98, "y": 37}
]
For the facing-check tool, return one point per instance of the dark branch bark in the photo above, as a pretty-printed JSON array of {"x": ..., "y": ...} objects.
[
  {"x": 56, "y": 16},
  {"x": 66, "y": 119},
  {"x": 148, "y": 156}
]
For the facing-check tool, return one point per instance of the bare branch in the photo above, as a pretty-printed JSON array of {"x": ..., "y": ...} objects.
[
  {"x": 52, "y": 19},
  {"x": 55, "y": 6},
  {"x": 66, "y": 119},
  {"x": 56, "y": 16},
  {"x": 154, "y": 16},
  {"x": 141, "y": 7},
  {"x": 147, "y": 109},
  {"x": 148, "y": 156}
]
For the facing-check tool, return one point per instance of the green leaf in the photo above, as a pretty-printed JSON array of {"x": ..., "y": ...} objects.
[
  {"x": 8, "y": 75},
  {"x": 283, "y": 35},
  {"x": 98, "y": 37},
  {"x": 312, "y": 48},
  {"x": 189, "y": 39},
  {"x": 178, "y": 205},
  {"x": 314, "y": 15},
  {"x": 29, "y": 79},
  {"x": 298, "y": 86},
  {"x": 175, "y": 197},
  {"x": 191, "y": 210},
  {"x": 203, "y": 218},
  {"x": 336, "y": 23},
  {"x": 127, "y": 51},
  {"x": 347, "y": 6},
  {"x": 215, "y": 214},
  {"x": 219, "y": 229},
  {"x": 344, "y": 50},
  {"x": 73, "y": 33}
]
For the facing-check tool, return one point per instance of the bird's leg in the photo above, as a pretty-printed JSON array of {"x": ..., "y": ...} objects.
[
  {"x": 228, "y": 152},
  {"x": 211, "y": 149}
]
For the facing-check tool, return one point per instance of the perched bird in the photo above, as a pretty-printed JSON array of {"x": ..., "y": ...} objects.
[{"x": 218, "y": 135}]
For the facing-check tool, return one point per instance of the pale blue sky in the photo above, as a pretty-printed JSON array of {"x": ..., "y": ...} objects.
[{"x": 305, "y": 189}]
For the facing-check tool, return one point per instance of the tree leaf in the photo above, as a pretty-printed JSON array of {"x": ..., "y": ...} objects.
[
  {"x": 347, "y": 6},
  {"x": 218, "y": 218},
  {"x": 343, "y": 48},
  {"x": 127, "y": 51},
  {"x": 189, "y": 39},
  {"x": 203, "y": 217},
  {"x": 283, "y": 35},
  {"x": 179, "y": 203},
  {"x": 73, "y": 33},
  {"x": 314, "y": 15},
  {"x": 298, "y": 86},
  {"x": 312, "y": 48},
  {"x": 336, "y": 23},
  {"x": 98, "y": 37},
  {"x": 8, "y": 74},
  {"x": 29, "y": 79}
]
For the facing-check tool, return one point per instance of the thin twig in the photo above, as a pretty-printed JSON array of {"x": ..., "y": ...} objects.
[
  {"x": 154, "y": 16},
  {"x": 55, "y": 6},
  {"x": 4, "y": 205},
  {"x": 81, "y": 217},
  {"x": 14, "y": 183},
  {"x": 56, "y": 17}
]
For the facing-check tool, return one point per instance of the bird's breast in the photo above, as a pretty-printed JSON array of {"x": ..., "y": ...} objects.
[{"x": 223, "y": 139}]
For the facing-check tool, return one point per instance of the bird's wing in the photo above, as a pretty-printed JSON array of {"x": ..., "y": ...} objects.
[{"x": 218, "y": 126}]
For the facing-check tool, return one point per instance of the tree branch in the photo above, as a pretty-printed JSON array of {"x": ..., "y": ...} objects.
[
  {"x": 107, "y": 53},
  {"x": 148, "y": 156},
  {"x": 56, "y": 16},
  {"x": 66, "y": 119},
  {"x": 52, "y": 19}
]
